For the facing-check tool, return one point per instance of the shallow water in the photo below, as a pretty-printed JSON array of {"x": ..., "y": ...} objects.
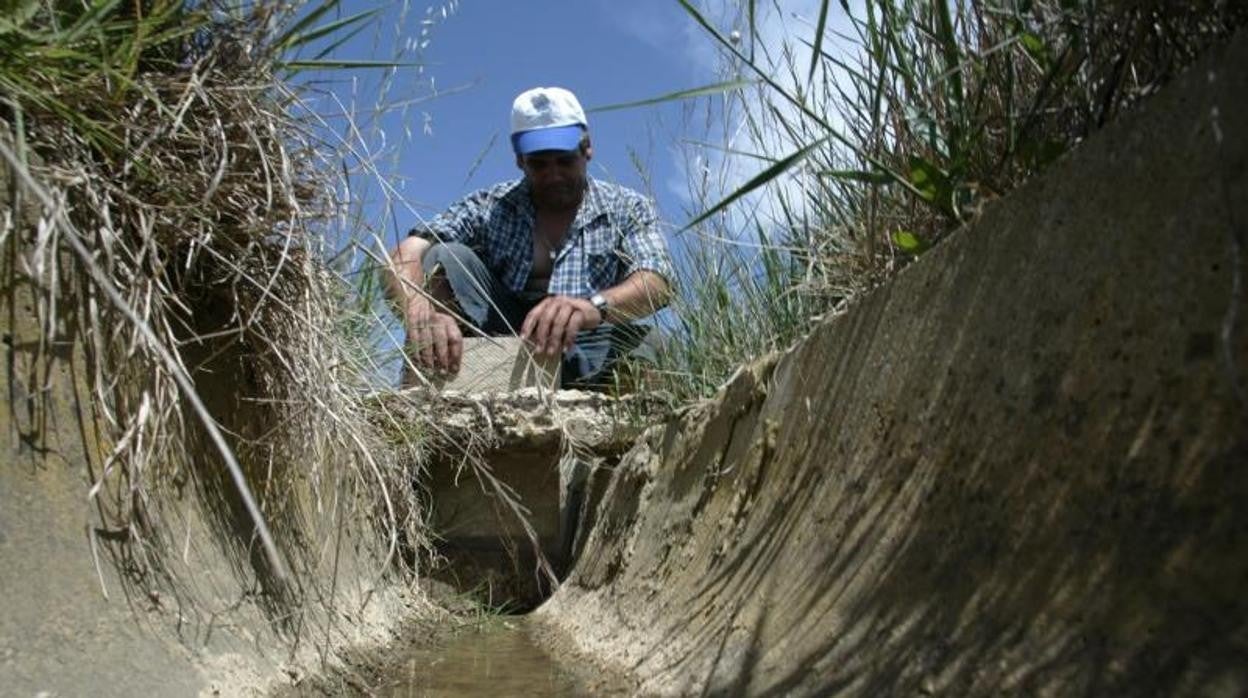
[{"x": 499, "y": 659}]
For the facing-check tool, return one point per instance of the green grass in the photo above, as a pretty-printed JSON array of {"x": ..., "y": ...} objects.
[
  {"x": 55, "y": 54},
  {"x": 874, "y": 143}
]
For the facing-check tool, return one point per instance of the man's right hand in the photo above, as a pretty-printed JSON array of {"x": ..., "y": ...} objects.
[{"x": 433, "y": 338}]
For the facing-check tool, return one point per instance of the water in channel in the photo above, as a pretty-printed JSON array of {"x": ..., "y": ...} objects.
[{"x": 498, "y": 659}]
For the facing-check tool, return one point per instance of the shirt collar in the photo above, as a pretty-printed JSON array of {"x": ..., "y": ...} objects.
[
  {"x": 592, "y": 205},
  {"x": 520, "y": 198}
]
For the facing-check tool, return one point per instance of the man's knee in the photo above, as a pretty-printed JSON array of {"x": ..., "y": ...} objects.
[
  {"x": 456, "y": 275},
  {"x": 450, "y": 257}
]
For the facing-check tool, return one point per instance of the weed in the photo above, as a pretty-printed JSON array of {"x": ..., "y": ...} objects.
[
  {"x": 178, "y": 240},
  {"x": 879, "y": 127}
]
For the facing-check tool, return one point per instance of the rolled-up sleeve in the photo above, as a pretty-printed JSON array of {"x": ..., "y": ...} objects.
[{"x": 643, "y": 245}]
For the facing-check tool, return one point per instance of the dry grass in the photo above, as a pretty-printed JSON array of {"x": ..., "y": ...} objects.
[{"x": 177, "y": 243}]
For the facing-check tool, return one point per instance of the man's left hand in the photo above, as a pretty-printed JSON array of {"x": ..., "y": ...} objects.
[{"x": 552, "y": 324}]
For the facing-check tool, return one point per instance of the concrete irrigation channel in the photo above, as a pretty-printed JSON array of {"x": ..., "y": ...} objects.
[{"x": 1020, "y": 467}]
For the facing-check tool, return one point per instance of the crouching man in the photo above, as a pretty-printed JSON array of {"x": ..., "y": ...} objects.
[{"x": 562, "y": 259}]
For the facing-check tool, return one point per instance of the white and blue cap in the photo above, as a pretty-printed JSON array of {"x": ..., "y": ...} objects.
[{"x": 546, "y": 118}]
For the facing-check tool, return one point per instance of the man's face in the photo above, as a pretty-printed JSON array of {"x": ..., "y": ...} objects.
[{"x": 557, "y": 177}]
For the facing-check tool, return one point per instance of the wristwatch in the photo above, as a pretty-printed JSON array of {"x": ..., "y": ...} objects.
[{"x": 600, "y": 302}]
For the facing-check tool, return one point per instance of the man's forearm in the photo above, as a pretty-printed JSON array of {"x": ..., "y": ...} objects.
[
  {"x": 433, "y": 336},
  {"x": 404, "y": 276},
  {"x": 640, "y": 295}
]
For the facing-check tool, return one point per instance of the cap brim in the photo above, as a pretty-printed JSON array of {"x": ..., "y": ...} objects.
[{"x": 554, "y": 138}]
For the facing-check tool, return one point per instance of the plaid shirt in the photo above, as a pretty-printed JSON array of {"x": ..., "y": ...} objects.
[{"x": 615, "y": 234}]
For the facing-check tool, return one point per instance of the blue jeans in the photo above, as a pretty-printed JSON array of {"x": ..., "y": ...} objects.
[{"x": 495, "y": 310}]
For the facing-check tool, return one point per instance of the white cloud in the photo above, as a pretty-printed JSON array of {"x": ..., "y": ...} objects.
[
  {"x": 647, "y": 20},
  {"x": 781, "y": 42}
]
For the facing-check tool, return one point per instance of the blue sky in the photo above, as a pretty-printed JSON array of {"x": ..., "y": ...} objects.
[
  {"x": 482, "y": 53},
  {"x": 475, "y": 56}
]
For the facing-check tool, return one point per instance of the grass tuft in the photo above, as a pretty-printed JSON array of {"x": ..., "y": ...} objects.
[
  {"x": 178, "y": 242},
  {"x": 883, "y": 125}
]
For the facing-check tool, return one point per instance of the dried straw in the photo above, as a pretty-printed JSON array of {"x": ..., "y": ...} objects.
[{"x": 177, "y": 244}]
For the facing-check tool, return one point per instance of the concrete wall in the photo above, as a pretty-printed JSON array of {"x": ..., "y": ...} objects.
[
  {"x": 55, "y": 614},
  {"x": 1019, "y": 468},
  {"x": 496, "y": 456}
]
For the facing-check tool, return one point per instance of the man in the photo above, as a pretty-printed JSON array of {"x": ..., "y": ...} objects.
[{"x": 564, "y": 260}]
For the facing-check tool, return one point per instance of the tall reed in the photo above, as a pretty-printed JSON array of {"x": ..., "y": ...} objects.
[{"x": 880, "y": 126}]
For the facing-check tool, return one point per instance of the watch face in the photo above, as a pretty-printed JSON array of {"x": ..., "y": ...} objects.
[{"x": 600, "y": 304}]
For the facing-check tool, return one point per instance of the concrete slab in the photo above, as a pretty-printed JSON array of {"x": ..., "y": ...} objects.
[
  {"x": 510, "y": 474},
  {"x": 500, "y": 365}
]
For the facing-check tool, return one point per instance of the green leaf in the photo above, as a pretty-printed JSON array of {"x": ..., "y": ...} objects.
[
  {"x": 89, "y": 20},
  {"x": 19, "y": 11},
  {"x": 789, "y": 96},
  {"x": 856, "y": 75},
  {"x": 876, "y": 177},
  {"x": 1036, "y": 48},
  {"x": 762, "y": 74},
  {"x": 927, "y": 178},
  {"x": 340, "y": 64},
  {"x": 907, "y": 241},
  {"x": 933, "y": 185},
  {"x": 307, "y": 21},
  {"x": 818, "y": 45},
  {"x": 717, "y": 88},
  {"x": 296, "y": 40},
  {"x": 956, "y": 93},
  {"x": 1031, "y": 42},
  {"x": 925, "y": 126},
  {"x": 758, "y": 180},
  {"x": 728, "y": 151},
  {"x": 339, "y": 42}
]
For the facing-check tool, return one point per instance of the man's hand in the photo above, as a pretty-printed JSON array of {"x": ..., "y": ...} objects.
[
  {"x": 433, "y": 338},
  {"x": 551, "y": 325}
]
